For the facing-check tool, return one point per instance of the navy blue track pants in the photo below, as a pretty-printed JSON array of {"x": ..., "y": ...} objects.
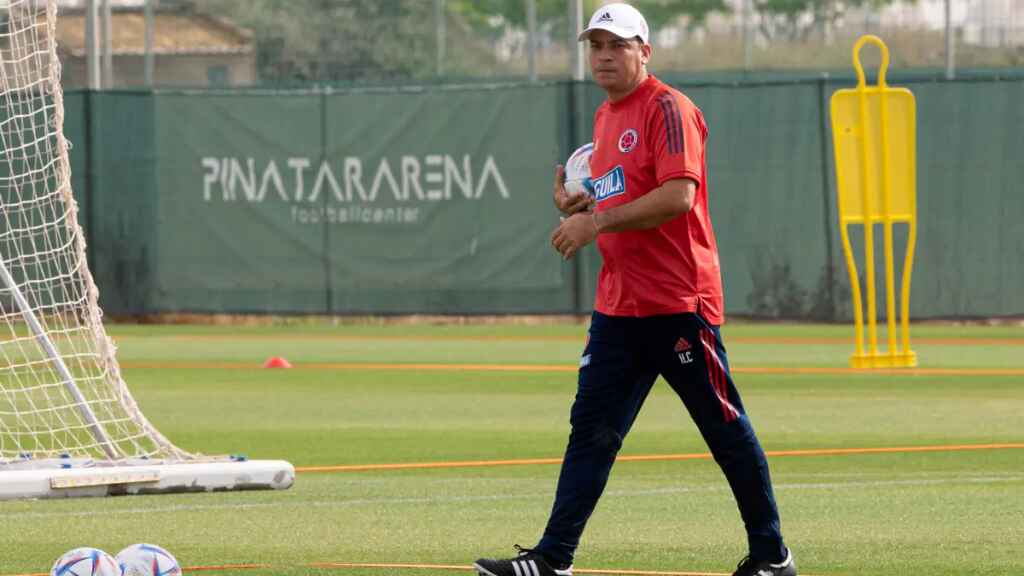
[{"x": 622, "y": 359}]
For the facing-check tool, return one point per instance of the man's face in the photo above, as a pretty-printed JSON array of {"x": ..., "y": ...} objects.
[{"x": 617, "y": 63}]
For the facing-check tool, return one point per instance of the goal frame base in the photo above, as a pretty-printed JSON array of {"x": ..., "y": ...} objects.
[{"x": 182, "y": 477}]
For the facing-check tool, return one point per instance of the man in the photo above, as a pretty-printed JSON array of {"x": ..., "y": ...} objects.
[{"x": 658, "y": 307}]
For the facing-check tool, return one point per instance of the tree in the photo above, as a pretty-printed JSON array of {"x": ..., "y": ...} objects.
[
  {"x": 797, "y": 19},
  {"x": 553, "y": 14},
  {"x": 500, "y": 13},
  {"x": 301, "y": 41},
  {"x": 335, "y": 40},
  {"x": 659, "y": 13}
]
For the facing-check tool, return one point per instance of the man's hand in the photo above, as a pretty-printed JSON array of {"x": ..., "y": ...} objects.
[
  {"x": 569, "y": 203},
  {"x": 574, "y": 233}
]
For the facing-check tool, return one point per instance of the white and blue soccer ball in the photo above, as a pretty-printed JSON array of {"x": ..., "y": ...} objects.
[
  {"x": 577, "y": 171},
  {"x": 86, "y": 562},
  {"x": 147, "y": 560}
]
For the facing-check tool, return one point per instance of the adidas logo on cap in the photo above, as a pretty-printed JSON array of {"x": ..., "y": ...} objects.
[{"x": 620, "y": 19}]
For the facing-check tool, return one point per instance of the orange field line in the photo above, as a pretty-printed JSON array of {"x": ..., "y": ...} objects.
[
  {"x": 226, "y": 567},
  {"x": 437, "y": 367},
  {"x": 787, "y": 340},
  {"x": 470, "y": 568},
  {"x": 466, "y": 568},
  {"x": 433, "y": 367},
  {"x": 658, "y": 457},
  {"x": 376, "y": 337},
  {"x": 399, "y": 566},
  {"x": 930, "y": 341},
  {"x": 886, "y": 371}
]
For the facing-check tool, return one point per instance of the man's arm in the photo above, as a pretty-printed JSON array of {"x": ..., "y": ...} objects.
[
  {"x": 668, "y": 201},
  {"x": 651, "y": 210}
]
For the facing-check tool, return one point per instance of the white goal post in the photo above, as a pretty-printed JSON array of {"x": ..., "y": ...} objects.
[{"x": 69, "y": 426}]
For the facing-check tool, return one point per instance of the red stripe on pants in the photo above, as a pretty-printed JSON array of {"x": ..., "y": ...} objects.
[{"x": 716, "y": 375}]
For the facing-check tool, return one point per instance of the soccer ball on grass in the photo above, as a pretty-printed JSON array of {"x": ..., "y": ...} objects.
[
  {"x": 85, "y": 562},
  {"x": 147, "y": 560}
]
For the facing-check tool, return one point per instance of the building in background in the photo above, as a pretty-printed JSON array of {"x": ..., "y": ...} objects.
[{"x": 190, "y": 48}]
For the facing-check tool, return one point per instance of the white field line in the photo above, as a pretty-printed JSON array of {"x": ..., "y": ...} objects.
[{"x": 798, "y": 486}]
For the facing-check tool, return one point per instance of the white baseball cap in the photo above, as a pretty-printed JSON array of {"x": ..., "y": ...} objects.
[{"x": 620, "y": 19}]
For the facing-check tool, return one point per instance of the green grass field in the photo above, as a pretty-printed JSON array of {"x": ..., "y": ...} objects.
[{"x": 944, "y": 512}]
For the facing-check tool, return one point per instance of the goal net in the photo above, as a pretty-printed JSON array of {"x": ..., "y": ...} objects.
[{"x": 63, "y": 401}]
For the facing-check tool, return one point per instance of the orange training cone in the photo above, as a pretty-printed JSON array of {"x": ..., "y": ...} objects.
[{"x": 277, "y": 362}]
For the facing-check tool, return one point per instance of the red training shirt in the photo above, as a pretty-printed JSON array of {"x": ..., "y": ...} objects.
[{"x": 653, "y": 135}]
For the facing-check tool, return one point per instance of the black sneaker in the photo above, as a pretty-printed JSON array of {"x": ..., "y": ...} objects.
[
  {"x": 527, "y": 563},
  {"x": 751, "y": 567}
]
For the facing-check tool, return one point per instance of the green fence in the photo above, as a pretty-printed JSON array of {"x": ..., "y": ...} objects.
[
  {"x": 437, "y": 200},
  {"x": 373, "y": 202}
]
